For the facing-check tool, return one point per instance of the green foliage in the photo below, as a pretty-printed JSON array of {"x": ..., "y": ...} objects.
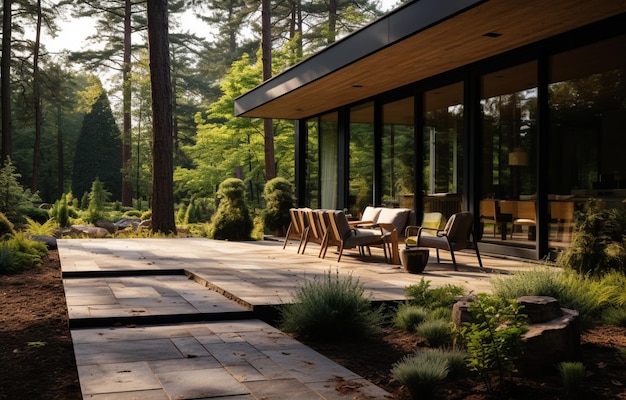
[
  {"x": 573, "y": 377},
  {"x": 199, "y": 210},
  {"x": 440, "y": 313},
  {"x": 19, "y": 252},
  {"x": 13, "y": 198},
  {"x": 409, "y": 316},
  {"x": 48, "y": 228},
  {"x": 421, "y": 372},
  {"x": 60, "y": 212},
  {"x": 146, "y": 215},
  {"x": 585, "y": 294},
  {"x": 330, "y": 309},
  {"x": 232, "y": 219},
  {"x": 98, "y": 149},
  {"x": 598, "y": 242},
  {"x": 278, "y": 195},
  {"x": 132, "y": 214},
  {"x": 494, "y": 339},
  {"x": 6, "y": 226},
  {"x": 438, "y": 332},
  {"x": 422, "y": 295},
  {"x": 456, "y": 358},
  {"x": 98, "y": 198},
  {"x": 614, "y": 316}
]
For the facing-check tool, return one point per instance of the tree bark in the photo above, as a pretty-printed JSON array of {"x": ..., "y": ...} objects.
[
  {"x": 162, "y": 144},
  {"x": 37, "y": 101},
  {"x": 266, "y": 46},
  {"x": 5, "y": 82},
  {"x": 127, "y": 188}
]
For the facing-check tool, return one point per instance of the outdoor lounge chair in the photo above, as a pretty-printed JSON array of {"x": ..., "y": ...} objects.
[
  {"x": 296, "y": 228},
  {"x": 345, "y": 237},
  {"x": 458, "y": 234}
]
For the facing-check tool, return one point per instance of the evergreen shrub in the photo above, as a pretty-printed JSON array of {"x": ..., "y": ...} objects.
[
  {"x": 409, "y": 316},
  {"x": 232, "y": 219},
  {"x": 6, "y": 226},
  {"x": 278, "y": 195},
  {"x": 438, "y": 332},
  {"x": 421, "y": 372},
  {"x": 422, "y": 295}
]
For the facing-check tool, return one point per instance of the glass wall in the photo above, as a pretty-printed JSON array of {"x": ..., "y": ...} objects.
[
  {"x": 443, "y": 149},
  {"x": 509, "y": 176},
  {"x": 361, "y": 160},
  {"x": 397, "y": 153},
  {"x": 328, "y": 160},
  {"x": 587, "y": 98},
  {"x": 312, "y": 175}
]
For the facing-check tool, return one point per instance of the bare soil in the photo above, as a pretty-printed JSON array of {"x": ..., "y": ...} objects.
[{"x": 37, "y": 358}]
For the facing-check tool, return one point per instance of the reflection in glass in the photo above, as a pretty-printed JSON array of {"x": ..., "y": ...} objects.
[
  {"x": 328, "y": 160},
  {"x": 587, "y": 99},
  {"x": 443, "y": 149},
  {"x": 361, "y": 162},
  {"x": 397, "y": 153},
  {"x": 312, "y": 165}
]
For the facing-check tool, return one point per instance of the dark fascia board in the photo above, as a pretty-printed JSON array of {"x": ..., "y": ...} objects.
[{"x": 406, "y": 21}]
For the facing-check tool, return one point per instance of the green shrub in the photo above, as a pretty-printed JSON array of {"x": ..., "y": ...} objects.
[
  {"x": 49, "y": 228},
  {"x": 146, "y": 215},
  {"x": 622, "y": 352},
  {"x": 614, "y": 316},
  {"x": 422, "y": 295},
  {"x": 330, "y": 309},
  {"x": 60, "y": 212},
  {"x": 598, "y": 242},
  {"x": 6, "y": 226},
  {"x": 132, "y": 214},
  {"x": 232, "y": 219},
  {"x": 494, "y": 340},
  {"x": 571, "y": 289},
  {"x": 278, "y": 195},
  {"x": 456, "y": 358},
  {"x": 440, "y": 313},
  {"x": 14, "y": 199},
  {"x": 19, "y": 252},
  {"x": 438, "y": 332},
  {"x": 98, "y": 198},
  {"x": 409, "y": 316},
  {"x": 573, "y": 377},
  {"x": 420, "y": 373}
]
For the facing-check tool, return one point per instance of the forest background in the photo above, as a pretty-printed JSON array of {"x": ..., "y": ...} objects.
[{"x": 85, "y": 113}]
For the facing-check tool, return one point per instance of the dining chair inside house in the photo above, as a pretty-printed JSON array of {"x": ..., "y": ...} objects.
[
  {"x": 525, "y": 215},
  {"x": 346, "y": 237},
  {"x": 562, "y": 216},
  {"x": 458, "y": 234},
  {"x": 296, "y": 228},
  {"x": 489, "y": 214}
]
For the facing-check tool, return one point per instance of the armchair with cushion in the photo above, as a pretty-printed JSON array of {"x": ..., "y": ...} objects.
[
  {"x": 346, "y": 237},
  {"x": 458, "y": 234}
]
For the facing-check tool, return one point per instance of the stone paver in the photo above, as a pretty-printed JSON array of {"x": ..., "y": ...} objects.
[{"x": 223, "y": 359}]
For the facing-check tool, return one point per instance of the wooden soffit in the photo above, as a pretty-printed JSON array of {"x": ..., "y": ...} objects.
[{"x": 419, "y": 40}]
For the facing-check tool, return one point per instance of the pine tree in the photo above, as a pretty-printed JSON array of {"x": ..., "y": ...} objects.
[{"x": 98, "y": 151}]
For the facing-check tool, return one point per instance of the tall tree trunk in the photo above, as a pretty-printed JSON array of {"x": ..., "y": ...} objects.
[
  {"x": 332, "y": 21},
  {"x": 60, "y": 158},
  {"x": 162, "y": 153},
  {"x": 5, "y": 82},
  {"x": 266, "y": 46},
  {"x": 127, "y": 187},
  {"x": 37, "y": 100}
]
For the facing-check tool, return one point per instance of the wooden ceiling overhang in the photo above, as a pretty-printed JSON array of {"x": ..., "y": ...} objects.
[{"x": 419, "y": 40}]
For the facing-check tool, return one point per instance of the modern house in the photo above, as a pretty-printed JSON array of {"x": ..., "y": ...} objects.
[{"x": 514, "y": 110}]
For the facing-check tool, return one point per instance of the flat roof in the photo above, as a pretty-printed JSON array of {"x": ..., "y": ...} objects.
[{"x": 418, "y": 40}]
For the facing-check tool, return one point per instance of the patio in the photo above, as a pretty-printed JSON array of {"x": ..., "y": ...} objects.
[{"x": 134, "y": 309}]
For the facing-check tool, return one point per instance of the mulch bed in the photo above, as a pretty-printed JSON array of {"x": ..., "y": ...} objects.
[{"x": 38, "y": 357}]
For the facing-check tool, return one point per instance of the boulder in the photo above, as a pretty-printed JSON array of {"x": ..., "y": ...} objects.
[
  {"x": 109, "y": 226},
  {"x": 89, "y": 231}
]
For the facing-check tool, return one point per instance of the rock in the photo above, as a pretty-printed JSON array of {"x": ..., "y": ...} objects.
[
  {"x": 460, "y": 313},
  {"x": 126, "y": 223},
  {"x": 540, "y": 308},
  {"x": 550, "y": 343},
  {"x": 109, "y": 226},
  {"x": 146, "y": 224},
  {"x": 49, "y": 241},
  {"x": 89, "y": 231}
]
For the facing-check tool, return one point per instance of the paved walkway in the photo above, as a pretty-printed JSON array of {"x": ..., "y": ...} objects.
[{"x": 178, "y": 318}]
